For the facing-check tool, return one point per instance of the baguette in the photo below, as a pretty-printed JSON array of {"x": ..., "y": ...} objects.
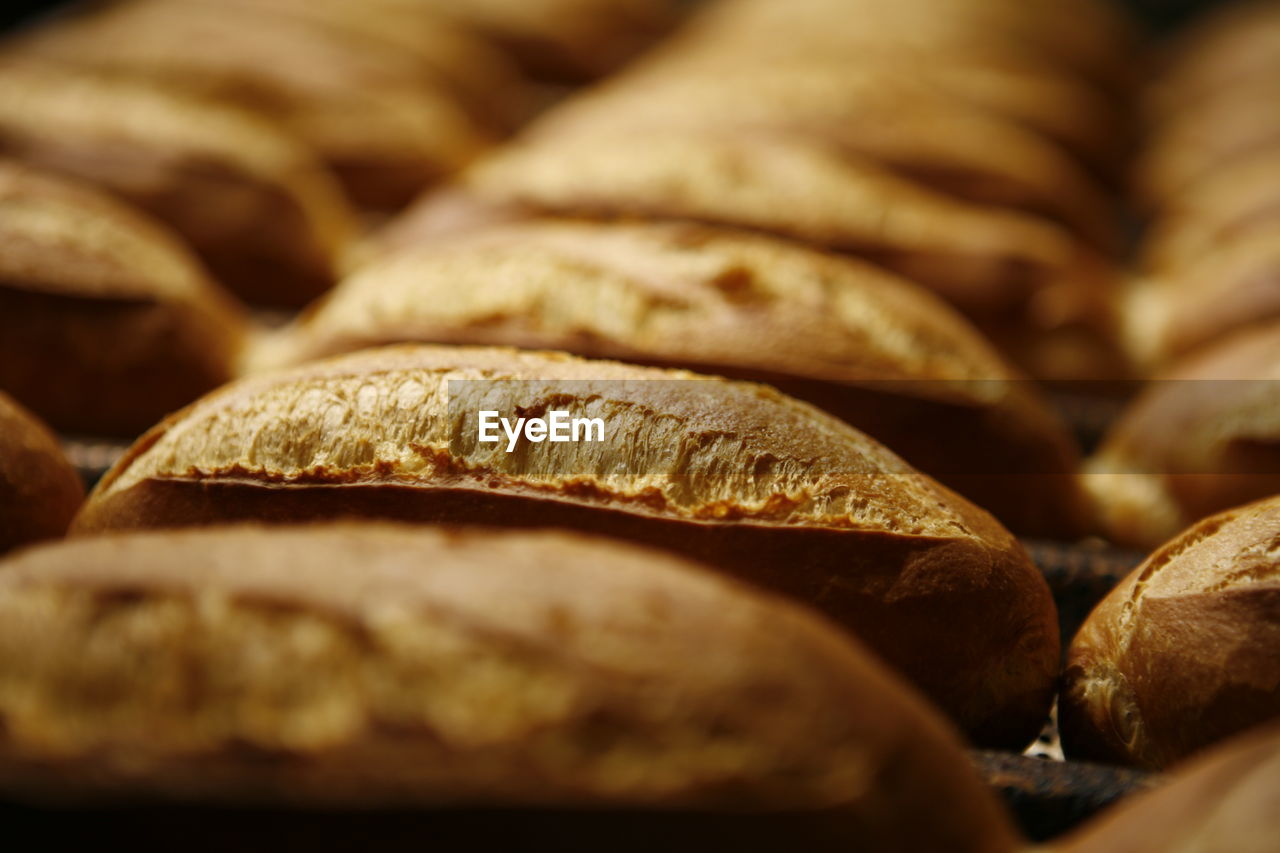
[
  {"x": 871, "y": 349},
  {"x": 1183, "y": 653},
  {"x": 380, "y": 666},
  {"x": 737, "y": 475},
  {"x": 260, "y": 210},
  {"x": 107, "y": 323},
  {"x": 1225, "y": 800},
  {"x": 1202, "y": 438},
  {"x": 39, "y": 490}
]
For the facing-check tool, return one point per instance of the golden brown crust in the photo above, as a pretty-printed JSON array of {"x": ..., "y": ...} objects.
[
  {"x": 410, "y": 666},
  {"x": 372, "y": 111},
  {"x": 260, "y": 210},
  {"x": 735, "y": 474},
  {"x": 1182, "y": 654},
  {"x": 106, "y": 322},
  {"x": 1202, "y": 438},
  {"x": 39, "y": 490},
  {"x": 1222, "y": 801},
  {"x": 870, "y": 348}
]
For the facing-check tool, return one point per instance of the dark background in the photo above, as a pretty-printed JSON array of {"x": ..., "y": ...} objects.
[{"x": 1160, "y": 14}]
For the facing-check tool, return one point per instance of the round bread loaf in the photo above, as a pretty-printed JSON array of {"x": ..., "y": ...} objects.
[
  {"x": 1182, "y": 653},
  {"x": 107, "y": 323},
  {"x": 1203, "y": 437},
  {"x": 259, "y": 208},
  {"x": 870, "y": 348},
  {"x": 1226, "y": 800},
  {"x": 39, "y": 490},
  {"x": 737, "y": 475},
  {"x": 381, "y": 666}
]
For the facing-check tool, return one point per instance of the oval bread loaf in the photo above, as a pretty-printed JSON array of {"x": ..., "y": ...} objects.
[
  {"x": 257, "y": 206},
  {"x": 374, "y": 665},
  {"x": 107, "y": 323},
  {"x": 39, "y": 490},
  {"x": 1183, "y": 653},
  {"x": 738, "y": 475},
  {"x": 868, "y": 347}
]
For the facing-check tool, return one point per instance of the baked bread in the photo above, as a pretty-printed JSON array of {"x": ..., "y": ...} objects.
[
  {"x": 737, "y": 475},
  {"x": 260, "y": 210},
  {"x": 1183, "y": 653},
  {"x": 868, "y": 347},
  {"x": 39, "y": 490},
  {"x": 383, "y": 119},
  {"x": 107, "y": 323},
  {"x": 1202, "y": 438},
  {"x": 914, "y": 128},
  {"x": 376, "y": 666},
  {"x": 1225, "y": 800}
]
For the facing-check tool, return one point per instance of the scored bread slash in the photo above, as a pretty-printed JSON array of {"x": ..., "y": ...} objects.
[{"x": 738, "y": 475}]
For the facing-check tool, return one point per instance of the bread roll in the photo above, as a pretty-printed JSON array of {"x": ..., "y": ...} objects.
[
  {"x": 261, "y": 211},
  {"x": 994, "y": 264},
  {"x": 1226, "y": 800},
  {"x": 39, "y": 490},
  {"x": 1202, "y": 438},
  {"x": 870, "y": 348},
  {"x": 385, "y": 666},
  {"x": 1183, "y": 653},
  {"x": 734, "y": 474},
  {"x": 107, "y": 323},
  {"x": 913, "y": 127},
  {"x": 377, "y": 114}
]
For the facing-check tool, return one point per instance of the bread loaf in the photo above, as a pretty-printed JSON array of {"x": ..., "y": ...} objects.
[
  {"x": 990, "y": 262},
  {"x": 914, "y": 127},
  {"x": 870, "y": 348},
  {"x": 377, "y": 666},
  {"x": 39, "y": 490},
  {"x": 1183, "y": 653},
  {"x": 737, "y": 475},
  {"x": 1225, "y": 800},
  {"x": 107, "y": 323},
  {"x": 1200, "y": 439},
  {"x": 384, "y": 120},
  {"x": 260, "y": 210}
]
